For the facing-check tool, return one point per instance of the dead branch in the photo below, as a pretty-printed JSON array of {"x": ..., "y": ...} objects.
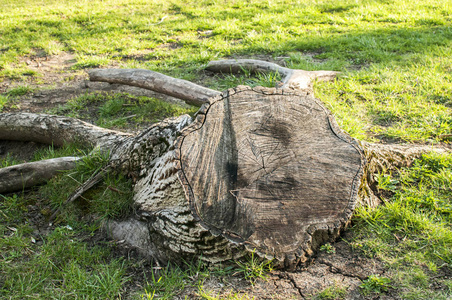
[
  {"x": 55, "y": 130},
  {"x": 294, "y": 79},
  {"x": 179, "y": 88},
  {"x": 23, "y": 176}
]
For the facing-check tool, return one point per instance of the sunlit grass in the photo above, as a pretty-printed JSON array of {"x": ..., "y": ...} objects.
[
  {"x": 411, "y": 233},
  {"x": 120, "y": 110},
  {"x": 395, "y": 55}
]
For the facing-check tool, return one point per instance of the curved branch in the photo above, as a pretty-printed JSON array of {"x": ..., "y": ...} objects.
[
  {"x": 19, "y": 177},
  {"x": 179, "y": 88},
  {"x": 292, "y": 78},
  {"x": 56, "y": 130}
]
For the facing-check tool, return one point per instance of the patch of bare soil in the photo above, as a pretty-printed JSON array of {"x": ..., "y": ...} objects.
[
  {"x": 58, "y": 82},
  {"x": 344, "y": 269}
]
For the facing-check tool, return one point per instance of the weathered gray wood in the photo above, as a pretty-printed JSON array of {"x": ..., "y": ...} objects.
[
  {"x": 23, "y": 176},
  {"x": 270, "y": 169},
  {"x": 292, "y": 78},
  {"x": 157, "y": 82},
  {"x": 55, "y": 130},
  {"x": 52, "y": 130}
]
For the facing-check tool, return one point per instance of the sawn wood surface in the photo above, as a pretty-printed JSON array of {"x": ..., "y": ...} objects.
[{"x": 271, "y": 169}]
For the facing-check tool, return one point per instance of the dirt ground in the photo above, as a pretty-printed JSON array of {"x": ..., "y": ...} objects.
[{"x": 344, "y": 268}]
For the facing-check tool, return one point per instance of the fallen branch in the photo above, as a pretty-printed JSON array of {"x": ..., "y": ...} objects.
[
  {"x": 23, "y": 176},
  {"x": 55, "y": 130},
  {"x": 157, "y": 82},
  {"x": 294, "y": 79}
]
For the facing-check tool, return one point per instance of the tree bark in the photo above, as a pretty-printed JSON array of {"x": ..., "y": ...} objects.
[
  {"x": 55, "y": 130},
  {"x": 264, "y": 170},
  {"x": 23, "y": 176},
  {"x": 182, "y": 89},
  {"x": 292, "y": 79}
]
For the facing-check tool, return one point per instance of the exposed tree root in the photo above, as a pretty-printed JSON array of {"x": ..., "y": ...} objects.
[
  {"x": 381, "y": 158},
  {"x": 293, "y": 79},
  {"x": 55, "y": 130}
]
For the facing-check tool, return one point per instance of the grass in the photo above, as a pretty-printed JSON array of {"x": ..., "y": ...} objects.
[
  {"x": 42, "y": 266},
  {"x": 395, "y": 55},
  {"x": 254, "y": 268},
  {"x": 120, "y": 110},
  {"x": 395, "y": 58},
  {"x": 39, "y": 264},
  {"x": 19, "y": 91},
  {"x": 334, "y": 292},
  {"x": 411, "y": 233},
  {"x": 375, "y": 284}
]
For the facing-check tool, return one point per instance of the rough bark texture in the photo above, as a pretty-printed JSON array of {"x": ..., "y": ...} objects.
[
  {"x": 56, "y": 130},
  {"x": 165, "y": 225},
  {"x": 182, "y": 89},
  {"x": 293, "y": 79},
  {"x": 22, "y": 176}
]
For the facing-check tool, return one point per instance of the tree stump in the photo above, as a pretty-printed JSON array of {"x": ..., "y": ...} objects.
[
  {"x": 259, "y": 169},
  {"x": 270, "y": 169}
]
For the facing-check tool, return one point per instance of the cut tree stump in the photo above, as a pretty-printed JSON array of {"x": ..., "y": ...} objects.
[
  {"x": 270, "y": 169},
  {"x": 262, "y": 170}
]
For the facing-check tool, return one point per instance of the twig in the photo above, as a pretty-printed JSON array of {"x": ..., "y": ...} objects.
[
  {"x": 161, "y": 21},
  {"x": 115, "y": 189},
  {"x": 92, "y": 181}
]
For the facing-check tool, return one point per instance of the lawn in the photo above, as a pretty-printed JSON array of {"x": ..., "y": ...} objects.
[{"x": 395, "y": 86}]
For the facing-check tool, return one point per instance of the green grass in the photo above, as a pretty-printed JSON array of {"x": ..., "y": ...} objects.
[
  {"x": 19, "y": 91},
  {"x": 33, "y": 264},
  {"x": 412, "y": 232},
  {"x": 61, "y": 264},
  {"x": 395, "y": 55},
  {"x": 68, "y": 149},
  {"x": 120, "y": 110},
  {"x": 254, "y": 268},
  {"x": 334, "y": 292},
  {"x": 375, "y": 284}
]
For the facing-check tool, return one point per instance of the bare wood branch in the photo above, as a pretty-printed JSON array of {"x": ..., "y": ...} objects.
[
  {"x": 294, "y": 79},
  {"x": 56, "y": 130},
  {"x": 179, "y": 88},
  {"x": 22, "y": 176}
]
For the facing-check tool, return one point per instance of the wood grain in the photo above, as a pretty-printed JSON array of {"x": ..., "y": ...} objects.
[{"x": 269, "y": 168}]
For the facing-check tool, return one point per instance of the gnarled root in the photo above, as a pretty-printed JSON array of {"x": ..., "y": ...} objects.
[
  {"x": 157, "y": 82},
  {"x": 293, "y": 79}
]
